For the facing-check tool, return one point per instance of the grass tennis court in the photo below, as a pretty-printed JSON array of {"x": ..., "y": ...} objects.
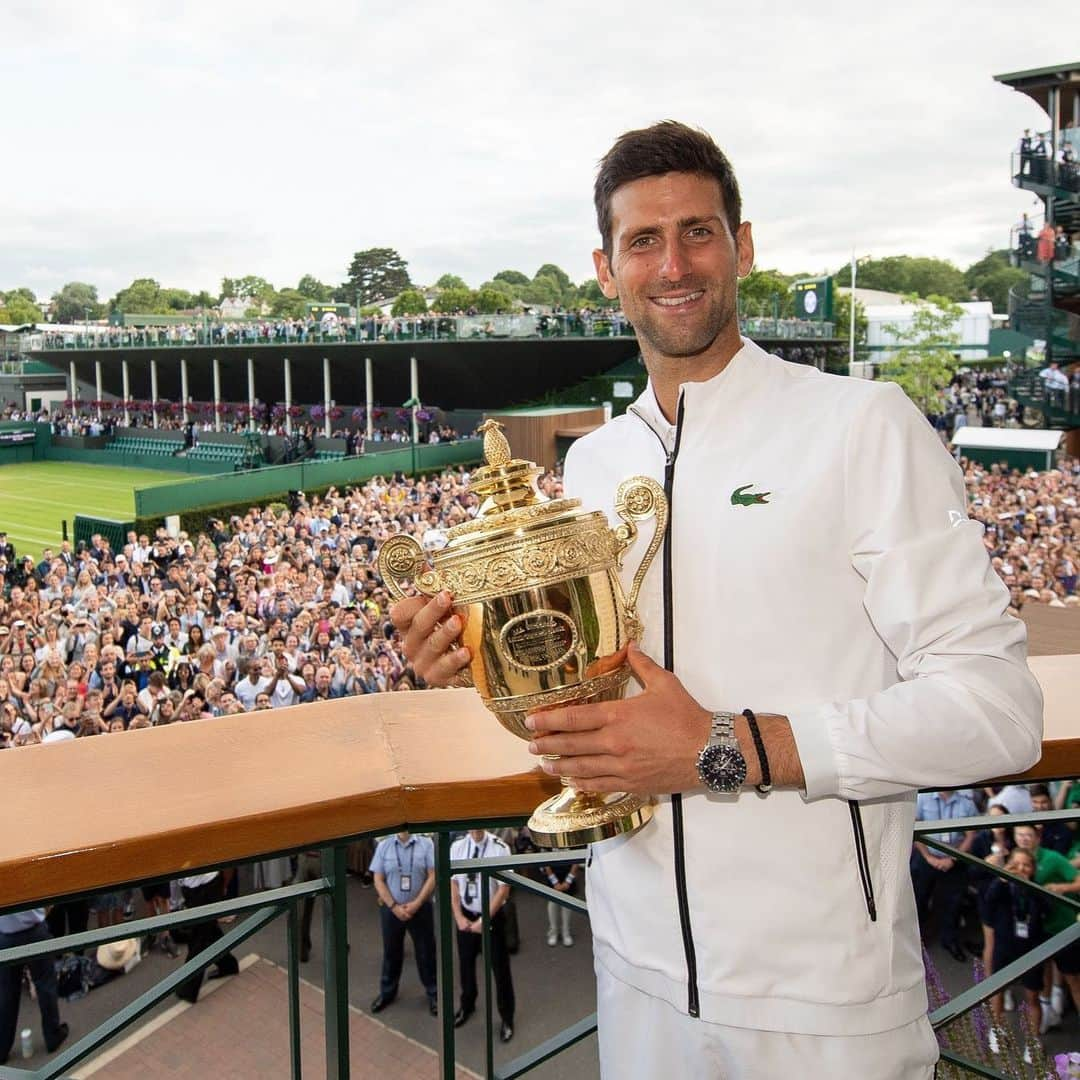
[{"x": 36, "y": 496}]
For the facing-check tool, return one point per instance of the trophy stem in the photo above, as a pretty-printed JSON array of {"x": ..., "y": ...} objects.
[{"x": 574, "y": 818}]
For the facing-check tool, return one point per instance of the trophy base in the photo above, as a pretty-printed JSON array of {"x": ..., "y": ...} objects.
[{"x": 574, "y": 818}]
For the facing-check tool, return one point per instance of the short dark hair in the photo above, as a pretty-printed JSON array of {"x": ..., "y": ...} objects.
[{"x": 665, "y": 147}]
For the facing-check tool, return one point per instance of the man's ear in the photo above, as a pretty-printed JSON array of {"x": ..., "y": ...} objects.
[
  {"x": 744, "y": 248},
  {"x": 604, "y": 275}
]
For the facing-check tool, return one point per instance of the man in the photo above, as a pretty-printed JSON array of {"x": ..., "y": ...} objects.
[
  {"x": 404, "y": 872},
  {"x": 939, "y": 879},
  {"x": 467, "y": 902},
  {"x": 25, "y": 928},
  {"x": 886, "y": 665},
  {"x": 199, "y": 890}
]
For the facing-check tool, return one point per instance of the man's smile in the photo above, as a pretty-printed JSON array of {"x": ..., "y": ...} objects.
[{"x": 678, "y": 300}]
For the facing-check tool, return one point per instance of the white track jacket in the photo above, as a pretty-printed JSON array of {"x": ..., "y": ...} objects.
[{"x": 857, "y": 599}]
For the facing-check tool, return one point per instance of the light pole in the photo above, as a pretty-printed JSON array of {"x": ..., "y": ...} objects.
[
  {"x": 86, "y": 328},
  {"x": 413, "y": 404}
]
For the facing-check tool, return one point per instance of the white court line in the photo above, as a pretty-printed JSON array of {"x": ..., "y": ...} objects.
[{"x": 144, "y": 1031}]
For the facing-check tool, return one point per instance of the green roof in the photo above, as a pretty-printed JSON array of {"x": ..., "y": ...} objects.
[{"x": 1048, "y": 73}]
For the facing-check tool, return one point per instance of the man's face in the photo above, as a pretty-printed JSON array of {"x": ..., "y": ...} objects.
[{"x": 674, "y": 262}]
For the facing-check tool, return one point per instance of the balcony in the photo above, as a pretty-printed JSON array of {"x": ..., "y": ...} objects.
[{"x": 254, "y": 786}]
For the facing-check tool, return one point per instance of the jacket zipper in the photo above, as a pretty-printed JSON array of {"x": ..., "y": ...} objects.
[
  {"x": 863, "y": 859},
  {"x": 693, "y": 1004}
]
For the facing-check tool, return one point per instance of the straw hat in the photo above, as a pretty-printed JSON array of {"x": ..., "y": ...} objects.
[{"x": 118, "y": 955}]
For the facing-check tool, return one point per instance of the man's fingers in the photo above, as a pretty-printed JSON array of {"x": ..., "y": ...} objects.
[
  {"x": 574, "y": 718},
  {"x": 575, "y": 745},
  {"x": 404, "y": 611},
  {"x": 580, "y": 768},
  {"x": 443, "y": 671}
]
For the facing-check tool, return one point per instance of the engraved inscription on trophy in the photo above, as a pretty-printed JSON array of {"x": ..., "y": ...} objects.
[{"x": 539, "y": 640}]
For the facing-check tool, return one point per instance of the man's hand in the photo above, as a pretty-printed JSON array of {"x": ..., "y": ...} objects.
[
  {"x": 648, "y": 743},
  {"x": 402, "y": 912},
  {"x": 429, "y": 630},
  {"x": 944, "y": 863},
  {"x": 463, "y": 924},
  {"x": 477, "y": 926}
]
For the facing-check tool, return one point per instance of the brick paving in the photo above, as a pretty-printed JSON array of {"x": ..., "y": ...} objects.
[{"x": 240, "y": 1031}]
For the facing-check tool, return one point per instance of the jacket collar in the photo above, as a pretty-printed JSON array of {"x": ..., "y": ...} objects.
[{"x": 735, "y": 372}]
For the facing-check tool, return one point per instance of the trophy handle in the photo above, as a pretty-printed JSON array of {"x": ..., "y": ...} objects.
[
  {"x": 637, "y": 499},
  {"x": 401, "y": 562}
]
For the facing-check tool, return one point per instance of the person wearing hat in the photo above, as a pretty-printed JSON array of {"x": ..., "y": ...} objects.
[
  {"x": 25, "y": 928},
  {"x": 7, "y": 548}
]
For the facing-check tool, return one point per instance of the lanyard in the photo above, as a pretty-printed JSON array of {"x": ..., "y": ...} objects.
[{"x": 397, "y": 857}]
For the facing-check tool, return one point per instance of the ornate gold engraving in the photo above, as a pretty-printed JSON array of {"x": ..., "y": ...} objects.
[{"x": 539, "y": 640}]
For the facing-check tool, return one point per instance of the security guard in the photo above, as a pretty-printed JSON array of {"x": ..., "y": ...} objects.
[
  {"x": 404, "y": 871},
  {"x": 467, "y": 902}
]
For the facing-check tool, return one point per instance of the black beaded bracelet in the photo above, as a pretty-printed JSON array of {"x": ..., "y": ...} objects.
[{"x": 763, "y": 759}]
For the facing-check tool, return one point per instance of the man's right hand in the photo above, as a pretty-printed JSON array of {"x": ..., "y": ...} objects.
[{"x": 430, "y": 631}]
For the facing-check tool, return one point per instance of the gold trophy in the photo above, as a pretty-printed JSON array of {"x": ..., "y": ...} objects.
[{"x": 545, "y": 617}]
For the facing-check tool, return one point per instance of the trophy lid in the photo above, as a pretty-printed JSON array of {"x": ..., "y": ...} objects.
[{"x": 507, "y": 489}]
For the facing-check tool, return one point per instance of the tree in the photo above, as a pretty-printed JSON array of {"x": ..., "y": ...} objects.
[
  {"x": 513, "y": 277},
  {"x": 451, "y": 300},
  {"x": 311, "y": 288},
  {"x": 992, "y": 277},
  {"x": 550, "y": 270},
  {"x": 842, "y": 318},
  {"x": 288, "y": 304},
  {"x": 542, "y": 290},
  {"x": 450, "y": 281},
  {"x": 202, "y": 299},
  {"x": 142, "y": 297},
  {"x": 489, "y": 301},
  {"x": 409, "y": 302},
  {"x": 924, "y": 363},
  {"x": 249, "y": 287},
  {"x": 178, "y": 299},
  {"x": 70, "y": 304},
  {"x": 16, "y": 309},
  {"x": 767, "y": 293},
  {"x": 375, "y": 274},
  {"x": 921, "y": 276}
]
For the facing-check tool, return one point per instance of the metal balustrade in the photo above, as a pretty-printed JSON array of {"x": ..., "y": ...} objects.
[{"x": 407, "y": 329}]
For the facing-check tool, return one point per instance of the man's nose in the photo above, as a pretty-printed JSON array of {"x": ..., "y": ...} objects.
[{"x": 675, "y": 262}]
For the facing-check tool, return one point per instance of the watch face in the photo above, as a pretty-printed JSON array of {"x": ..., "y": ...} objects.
[{"x": 722, "y": 768}]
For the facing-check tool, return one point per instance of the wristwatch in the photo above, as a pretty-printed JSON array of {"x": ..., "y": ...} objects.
[{"x": 721, "y": 766}]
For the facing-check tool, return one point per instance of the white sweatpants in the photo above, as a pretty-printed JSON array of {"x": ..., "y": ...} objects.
[{"x": 645, "y": 1038}]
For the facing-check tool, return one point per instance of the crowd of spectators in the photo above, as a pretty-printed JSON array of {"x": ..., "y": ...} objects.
[
  {"x": 1032, "y": 522},
  {"x": 88, "y": 421},
  {"x": 331, "y": 328},
  {"x": 271, "y": 608}
]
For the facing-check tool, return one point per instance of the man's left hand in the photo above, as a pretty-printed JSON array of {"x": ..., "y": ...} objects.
[{"x": 647, "y": 743}]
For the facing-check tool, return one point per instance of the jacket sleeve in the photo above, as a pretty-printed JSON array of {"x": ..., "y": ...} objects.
[{"x": 966, "y": 707}]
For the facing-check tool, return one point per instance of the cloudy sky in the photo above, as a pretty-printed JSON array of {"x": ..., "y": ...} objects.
[{"x": 189, "y": 141}]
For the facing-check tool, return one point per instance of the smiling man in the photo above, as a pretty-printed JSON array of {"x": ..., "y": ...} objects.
[{"x": 755, "y": 933}]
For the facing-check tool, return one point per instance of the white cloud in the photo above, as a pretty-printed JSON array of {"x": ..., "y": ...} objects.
[{"x": 188, "y": 142}]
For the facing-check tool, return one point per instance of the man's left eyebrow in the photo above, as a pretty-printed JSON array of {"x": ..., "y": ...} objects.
[{"x": 685, "y": 223}]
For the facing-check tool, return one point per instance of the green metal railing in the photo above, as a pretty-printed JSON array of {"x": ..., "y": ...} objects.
[
  {"x": 956, "y": 1008},
  {"x": 260, "y": 909},
  {"x": 462, "y": 328}
]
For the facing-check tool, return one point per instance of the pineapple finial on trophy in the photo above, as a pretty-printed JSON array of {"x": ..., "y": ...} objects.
[{"x": 496, "y": 447}]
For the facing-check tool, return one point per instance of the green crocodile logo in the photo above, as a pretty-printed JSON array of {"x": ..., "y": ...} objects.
[{"x": 741, "y": 496}]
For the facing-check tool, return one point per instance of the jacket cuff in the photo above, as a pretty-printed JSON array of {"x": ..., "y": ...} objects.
[{"x": 810, "y": 728}]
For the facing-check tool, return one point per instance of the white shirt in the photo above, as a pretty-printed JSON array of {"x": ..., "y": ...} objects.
[{"x": 468, "y": 885}]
